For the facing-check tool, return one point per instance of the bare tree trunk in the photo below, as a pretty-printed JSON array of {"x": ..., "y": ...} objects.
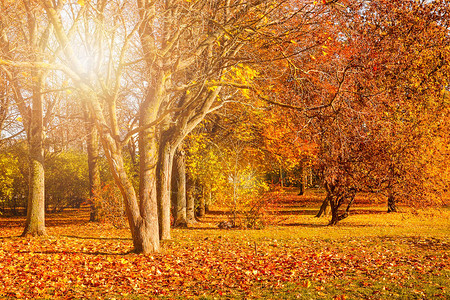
[
  {"x": 35, "y": 223},
  {"x": 302, "y": 178},
  {"x": 202, "y": 203},
  {"x": 148, "y": 150},
  {"x": 281, "y": 177},
  {"x": 190, "y": 202},
  {"x": 94, "y": 171},
  {"x": 336, "y": 201},
  {"x": 334, "y": 216},
  {"x": 324, "y": 207},
  {"x": 164, "y": 188},
  {"x": 392, "y": 203},
  {"x": 392, "y": 207},
  {"x": 179, "y": 173}
]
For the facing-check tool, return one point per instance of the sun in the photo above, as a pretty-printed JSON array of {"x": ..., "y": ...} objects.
[{"x": 88, "y": 57}]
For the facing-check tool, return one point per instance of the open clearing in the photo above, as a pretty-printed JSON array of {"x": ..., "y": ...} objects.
[{"x": 370, "y": 255}]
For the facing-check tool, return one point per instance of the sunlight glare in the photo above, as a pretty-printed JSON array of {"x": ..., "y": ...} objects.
[{"x": 88, "y": 59}]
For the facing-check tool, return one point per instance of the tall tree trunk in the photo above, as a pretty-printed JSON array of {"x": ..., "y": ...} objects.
[
  {"x": 190, "y": 202},
  {"x": 202, "y": 204},
  {"x": 302, "y": 178},
  {"x": 148, "y": 150},
  {"x": 324, "y": 207},
  {"x": 392, "y": 202},
  {"x": 281, "y": 177},
  {"x": 164, "y": 187},
  {"x": 179, "y": 174},
  {"x": 35, "y": 223},
  {"x": 336, "y": 200},
  {"x": 142, "y": 215},
  {"x": 94, "y": 171}
]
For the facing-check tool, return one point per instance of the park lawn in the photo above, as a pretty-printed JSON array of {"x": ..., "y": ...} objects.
[{"x": 370, "y": 255}]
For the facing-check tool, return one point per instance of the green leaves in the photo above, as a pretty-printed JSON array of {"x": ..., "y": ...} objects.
[{"x": 9, "y": 175}]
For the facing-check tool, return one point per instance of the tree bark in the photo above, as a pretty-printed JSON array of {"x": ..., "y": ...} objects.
[
  {"x": 336, "y": 201},
  {"x": 392, "y": 203},
  {"x": 302, "y": 178},
  {"x": 202, "y": 204},
  {"x": 281, "y": 177},
  {"x": 94, "y": 171},
  {"x": 179, "y": 174},
  {"x": 148, "y": 149},
  {"x": 142, "y": 216},
  {"x": 302, "y": 189},
  {"x": 35, "y": 223},
  {"x": 164, "y": 188},
  {"x": 190, "y": 202},
  {"x": 324, "y": 207}
]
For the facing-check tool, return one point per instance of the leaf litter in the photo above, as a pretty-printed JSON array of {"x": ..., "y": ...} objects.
[{"x": 94, "y": 261}]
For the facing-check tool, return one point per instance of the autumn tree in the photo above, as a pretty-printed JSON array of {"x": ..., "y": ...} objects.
[
  {"x": 344, "y": 88},
  {"x": 409, "y": 50},
  {"x": 179, "y": 199},
  {"x": 27, "y": 43},
  {"x": 218, "y": 34}
]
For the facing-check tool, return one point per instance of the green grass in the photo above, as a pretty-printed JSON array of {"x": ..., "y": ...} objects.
[{"x": 426, "y": 223}]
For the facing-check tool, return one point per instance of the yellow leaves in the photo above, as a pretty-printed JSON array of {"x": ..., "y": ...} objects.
[
  {"x": 212, "y": 88},
  {"x": 307, "y": 283},
  {"x": 312, "y": 57},
  {"x": 124, "y": 261},
  {"x": 241, "y": 74},
  {"x": 245, "y": 93},
  {"x": 81, "y": 2}
]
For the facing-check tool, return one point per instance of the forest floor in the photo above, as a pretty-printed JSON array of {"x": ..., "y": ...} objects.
[{"x": 370, "y": 255}]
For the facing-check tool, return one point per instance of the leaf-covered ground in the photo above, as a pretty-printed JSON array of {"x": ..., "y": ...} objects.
[{"x": 370, "y": 255}]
